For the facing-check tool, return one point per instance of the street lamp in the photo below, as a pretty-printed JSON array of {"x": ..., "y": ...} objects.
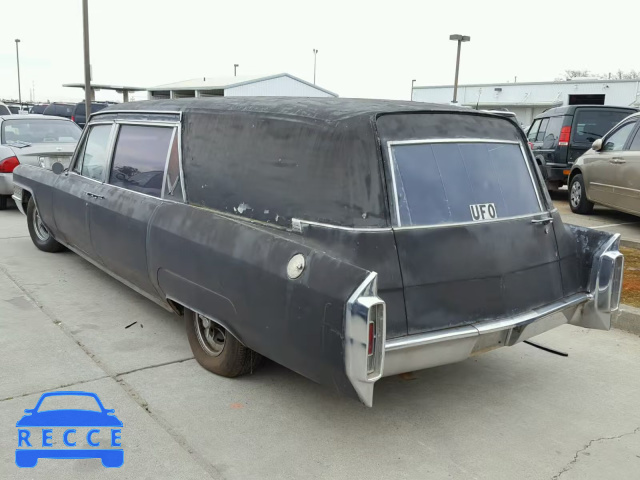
[
  {"x": 315, "y": 54},
  {"x": 235, "y": 66},
  {"x": 88, "y": 92},
  {"x": 412, "y": 82},
  {"x": 18, "y": 62},
  {"x": 459, "y": 39}
]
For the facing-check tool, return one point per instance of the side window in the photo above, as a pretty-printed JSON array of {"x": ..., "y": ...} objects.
[
  {"x": 543, "y": 129},
  {"x": 92, "y": 161},
  {"x": 552, "y": 134},
  {"x": 139, "y": 158},
  {"x": 635, "y": 143},
  {"x": 533, "y": 131},
  {"x": 617, "y": 140},
  {"x": 173, "y": 183}
]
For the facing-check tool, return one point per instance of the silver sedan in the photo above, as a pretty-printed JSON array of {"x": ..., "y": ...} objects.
[
  {"x": 33, "y": 140},
  {"x": 609, "y": 173}
]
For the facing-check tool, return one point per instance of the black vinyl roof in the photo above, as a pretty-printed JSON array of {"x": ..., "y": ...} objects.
[{"x": 327, "y": 109}]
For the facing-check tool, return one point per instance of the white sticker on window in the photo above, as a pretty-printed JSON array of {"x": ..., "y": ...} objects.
[{"x": 483, "y": 211}]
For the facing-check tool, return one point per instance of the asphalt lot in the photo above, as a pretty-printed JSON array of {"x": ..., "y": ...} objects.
[{"x": 513, "y": 413}]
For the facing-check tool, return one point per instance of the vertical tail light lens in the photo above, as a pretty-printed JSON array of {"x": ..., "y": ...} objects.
[
  {"x": 565, "y": 135},
  {"x": 9, "y": 164}
]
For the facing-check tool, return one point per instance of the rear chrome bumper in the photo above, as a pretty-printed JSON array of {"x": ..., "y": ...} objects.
[
  {"x": 592, "y": 309},
  {"x": 441, "y": 347}
]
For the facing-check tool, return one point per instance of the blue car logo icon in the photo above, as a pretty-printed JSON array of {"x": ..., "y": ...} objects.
[{"x": 41, "y": 423}]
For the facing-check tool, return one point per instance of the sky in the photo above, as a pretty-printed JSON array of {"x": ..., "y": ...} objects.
[{"x": 367, "y": 49}]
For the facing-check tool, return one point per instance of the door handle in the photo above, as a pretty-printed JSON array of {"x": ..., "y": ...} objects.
[
  {"x": 542, "y": 221},
  {"x": 93, "y": 195},
  {"x": 617, "y": 160}
]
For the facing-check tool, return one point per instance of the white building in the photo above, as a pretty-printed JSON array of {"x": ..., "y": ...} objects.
[
  {"x": 528, "y": 99},
  {"x": 280, "y": 85}
]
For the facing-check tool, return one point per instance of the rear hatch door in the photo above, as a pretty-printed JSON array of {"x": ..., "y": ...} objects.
[
  {"x": 589, "y": 124},
  {"x": 472, "y": 226}
]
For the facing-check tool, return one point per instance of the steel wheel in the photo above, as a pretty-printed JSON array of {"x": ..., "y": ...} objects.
[
  {"x": 576, "y": 194},
  {"x": 211, "y": 336},
  {"x": 38, "y": 227}
]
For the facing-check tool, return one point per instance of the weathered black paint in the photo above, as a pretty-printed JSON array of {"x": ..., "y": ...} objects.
[{"x": 209, "y": 258}]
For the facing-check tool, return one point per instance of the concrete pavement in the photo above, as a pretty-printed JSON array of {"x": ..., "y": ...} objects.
[{"x": 513, "y": 413}]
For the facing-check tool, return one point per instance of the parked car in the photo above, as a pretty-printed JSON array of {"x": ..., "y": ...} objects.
[
  {"x": 279, "y": 227},
  {"x": 33, "y": 140},
  {"x": 4, "y": 110},
  {"x": 39, "y": 109},
  {"x": 60, "y": 110},
  {"x": 79, "y": 114},
  {"x": 15, "y": 109},
  {"x": 609, "y": 173},
  {"x": 560, "y": 135}
]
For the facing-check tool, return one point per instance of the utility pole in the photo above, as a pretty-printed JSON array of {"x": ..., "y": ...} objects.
[
  {"x": 88, "y": 93},
  {"x": 18, "y": 62},
  {"x": 459, "y": 39},
  {"x": 315, "y": 54},
  {"x": 412, "y": 82},
  {"x": 235, "y": 66}
]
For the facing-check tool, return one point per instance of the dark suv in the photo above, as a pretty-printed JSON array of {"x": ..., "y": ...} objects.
[
  {"x": 59, "y": 110},
  {"x": 560, "y": 135},
  {"x": 80, "y": 113}
]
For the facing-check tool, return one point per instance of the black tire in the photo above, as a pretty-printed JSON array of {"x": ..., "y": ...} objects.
[
  {"x": 40, "y": 236},
  {"x": 223, "y": 356},
  {"x": 3, "y": 202},
  {"x": 578, "y": 200}
]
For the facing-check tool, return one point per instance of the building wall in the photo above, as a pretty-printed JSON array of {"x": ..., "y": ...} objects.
[
  {"x": 281, "y": 86},
  {"x": 527, "y": 100}
]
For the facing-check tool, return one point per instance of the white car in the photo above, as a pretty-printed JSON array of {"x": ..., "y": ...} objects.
[{"x": 33, "y": 140}]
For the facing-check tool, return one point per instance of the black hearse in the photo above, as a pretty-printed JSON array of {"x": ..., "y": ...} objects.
[{"x": 345, "y": 239}]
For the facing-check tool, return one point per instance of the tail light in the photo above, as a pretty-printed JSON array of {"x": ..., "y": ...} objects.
[
  {"x": 365, "y": 329},
  {"x": 73, "y": 118},
  {"x": 9, "y": 164},
  {"x": 565, "y": 135},
  {"x": 530, "y": 145}
]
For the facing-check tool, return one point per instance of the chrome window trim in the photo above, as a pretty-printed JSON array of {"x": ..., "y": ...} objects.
[
  {"x": 340, "y": 227},
  {"x": 392, "y": 164},
  {"x": 141, "y": 112},
  {"x": 184, "y": 186},
  {"x": 147, "y": 123},
  {"x": 166, "y": 164},
  {"x": 471, "y": 222}
]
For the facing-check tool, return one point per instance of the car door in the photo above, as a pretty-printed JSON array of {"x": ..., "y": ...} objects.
[
  {"x": 601, "y": 168},
  {"x": 627, "y": 173},
  {"x": 75, "y": 190},
  {"x": 120, "y": 217}
]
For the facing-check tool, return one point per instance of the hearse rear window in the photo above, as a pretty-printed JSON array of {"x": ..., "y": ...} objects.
[
  {"x": 139, "y": 159},
  {"x": 443, "y": 183}
]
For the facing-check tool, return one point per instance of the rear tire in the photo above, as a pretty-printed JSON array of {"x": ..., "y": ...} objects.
[
  {"x": 216, "y": 349},
  {"x": 578, "y": 200},
  {"x": 39, "y": 233},
  {"x": 3, "y": 202}
]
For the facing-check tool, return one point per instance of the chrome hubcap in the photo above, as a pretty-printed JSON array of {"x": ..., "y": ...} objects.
[
  {"x": 41, "y": 231},
  {"x": 211, "y": 336},
  {"x": 576, "y": 194}
]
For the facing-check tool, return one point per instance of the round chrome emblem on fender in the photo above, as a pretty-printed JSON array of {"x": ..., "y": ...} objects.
[{"x": 295, "y": 267}]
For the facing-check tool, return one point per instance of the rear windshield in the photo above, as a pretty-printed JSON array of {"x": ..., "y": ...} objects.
[
  {"x": 589, "y": 125},
  {"x": 443, "y": 183},
  {"x": 40, "y": 131}
]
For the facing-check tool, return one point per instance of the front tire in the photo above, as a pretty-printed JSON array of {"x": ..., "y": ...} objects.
[
  {"x": 216, "y": 349},
  {"x": 39, "y": 233},
  {"x": 578, "y": 200}
]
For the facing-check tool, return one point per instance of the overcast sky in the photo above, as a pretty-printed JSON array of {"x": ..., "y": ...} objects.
[{"x": 366, "y": 48}]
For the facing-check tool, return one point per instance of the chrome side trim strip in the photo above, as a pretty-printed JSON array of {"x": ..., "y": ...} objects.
[
  {"x": 340, "y": 227},
  {"x": 452, "y": 140},
  {"x": 457, "y": 224}
]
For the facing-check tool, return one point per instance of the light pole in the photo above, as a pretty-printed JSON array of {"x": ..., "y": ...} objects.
[
  {"x": 412, "y": 82},
  {"x": 315, "y": 54},
  {"x": 18, "y": 62},
  {"x": 235, "y": 66},
  {"x": 459, "y": 39},
  {"x": 87, "y": 64}
]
